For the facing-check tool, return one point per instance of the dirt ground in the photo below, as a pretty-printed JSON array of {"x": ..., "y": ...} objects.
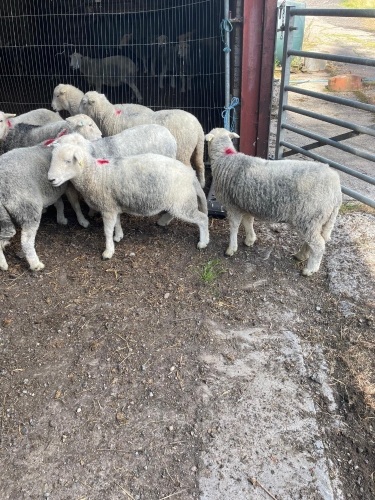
[{"x": 101, "y": 365}]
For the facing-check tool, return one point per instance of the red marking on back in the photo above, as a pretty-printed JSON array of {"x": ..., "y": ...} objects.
[
  {"x": 63, "y": 132},
  {"x": 9, "y": 123},
  {"x": 102, "y": 162},
  {"x": 48, "y": 142},
  {"x": 230, "y": 151},
  {"x": 118, "y": 111}
]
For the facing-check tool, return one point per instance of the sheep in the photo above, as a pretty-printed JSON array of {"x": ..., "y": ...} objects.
[
  {"x": 67, "y": 97},
  {"x": 142, "y": 185},
  {"x": 24, "y": 192},
  {"x": 23, "y": 135},
  {"x": 305, "y": 194},
  {"x": 108, "y": 71},
  {"x": 132, "y": 141},
  {"x": 35, "y": 117},
  {"x": 184, "y": 126}
]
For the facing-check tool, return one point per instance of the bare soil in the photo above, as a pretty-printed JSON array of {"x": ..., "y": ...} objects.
[{"x": 101, "y": 365}]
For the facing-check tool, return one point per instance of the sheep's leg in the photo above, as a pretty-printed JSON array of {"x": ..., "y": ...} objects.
[
  {"x": 3, "y": 263},
  {"x": 235, "y": 219},
  {"x": 165, "y": 219},
  {"x": 61, "y": 219},
  {"x": 6, "y": 233},
  {"x": 328, "y": 226},
  {"x": 317, "y": 245},
  {"x": 303, "y": 253},
  {"x": 72, "y": 195},
  {"x": 28, "y": 247},
  {"x": 134, "y": 88},
  {"x": 247, "y": 222},
  {"x": 194, "y": 216},
  {"x": 109, "y": 221},
  {"x": 118, "y": 230},
  {"x": 197, "y": 161},
  {"x": 183, "y": 89},
  {"x": 163, "y": 72},
  {"x": 173, "y": 81}
]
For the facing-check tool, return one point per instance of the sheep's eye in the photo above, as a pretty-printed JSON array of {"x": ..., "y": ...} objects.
[{"x": 68, "y": 161}]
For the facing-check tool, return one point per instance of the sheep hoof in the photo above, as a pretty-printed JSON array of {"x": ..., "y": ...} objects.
[
  {"x": 106, "y": 255},
  {"x": 307, "y": 272},
  {"x": 37, "y": 267},
  {"x": 202, "y": 245},
  {"x": 249, "y": 243},
  {"x": 4, "y": 267},
  {"x": 84, "y": 223},
  {"x": 118, "y": 238},
  {"x": 230, "y": 252},
  {"x": 62, "y": 220}
]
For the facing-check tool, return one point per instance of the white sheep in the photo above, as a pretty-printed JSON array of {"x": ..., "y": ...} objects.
[
  {"x": 142, "y": 185},
  {"x": 110, "y": 71},
  {"x": 67, "y": 97},
  {"x": 24, "y": 192},
  {"x": 305, "y": 194},
  {"x": 24, "y": 135},
  {"x": 184, "y": 126},
  {"x": 35, "y": 117}
]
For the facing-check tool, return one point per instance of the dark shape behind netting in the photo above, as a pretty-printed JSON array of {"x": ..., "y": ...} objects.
[{"x": 174, "y": 45}]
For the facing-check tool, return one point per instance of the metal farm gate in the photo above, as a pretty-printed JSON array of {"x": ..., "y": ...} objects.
[{"x": 285, "y": 148}]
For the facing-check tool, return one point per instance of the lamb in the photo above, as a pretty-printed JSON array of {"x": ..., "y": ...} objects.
[
  {"x": 24, "y": 192},
  {"x": 305, "y": 194},
  {"x": 142, "y": 185},
  {"x": 68, "y": 98},
  {"x": 132, "y": 141},
  {"x": 23, "y": 135},
  {"x": 183, "y": 126},
  {"x": 108, "y": 71},
  {"x": 35, "y": 117}
]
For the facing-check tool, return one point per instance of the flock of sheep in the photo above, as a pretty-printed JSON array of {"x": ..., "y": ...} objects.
[{"x": 126, "y": 158}]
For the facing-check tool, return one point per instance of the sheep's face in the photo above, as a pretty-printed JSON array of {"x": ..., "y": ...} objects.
[
  {"x": 218, "y": 133},
  {"x": 85, "y": 126},
  {"x": 75, "y": 60},
  {"x": 5, "y": 124},
  {"x": 59, "y": 100},
  {"x": 66, "y": 163},
  {"x": 90, "y": 103}
]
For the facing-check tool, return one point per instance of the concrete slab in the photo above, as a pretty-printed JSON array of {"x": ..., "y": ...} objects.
[{"x": 264, "y": 440}]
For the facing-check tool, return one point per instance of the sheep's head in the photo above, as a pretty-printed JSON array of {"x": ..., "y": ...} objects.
[
  {"x": 85, "y": 126},
  {"x": 59, "y": 99},
  {"x": 66, "y": 163},
  {"x": 75, "y": 60},
  {"x": 5, "y": 124},
  {"x": 91, "y": 103},
  {"x": 126, "y": 40},
  {"x": 221, "y": 133}
]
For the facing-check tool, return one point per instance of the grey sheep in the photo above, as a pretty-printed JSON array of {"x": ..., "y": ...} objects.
[
  {"x": 305, "y": 194},
  {"x": 142, "y": 185},
  {"x": 132, "y": 141},
  {"x": 184, "y": 126},
  {"x": 111, "y": 71},
  {"x": 35, "y": 117},
  {"x": 24, "y": 135},
  {"x": 24, "y": 192},
  {"x": 67, "y": 97}
]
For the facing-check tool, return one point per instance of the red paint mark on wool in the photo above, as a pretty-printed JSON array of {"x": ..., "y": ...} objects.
[
  {"x": 102, "y": 162},
  {"x": 63, "y": 132},
  {"x": 48, "y": 142},
  {"x": 230, "y": 151},
  {"x": 9, "y": 123},
  {"x": 118, "y": 111}
]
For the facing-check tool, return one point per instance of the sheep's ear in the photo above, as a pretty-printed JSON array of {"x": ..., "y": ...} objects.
[
  {"x": 209, "y": 137},
  {"x": 91, "y": 101},
  {"x": 78, "y": 157},
  {"x": 9, "y": 115},
  {"x": 233, "y": 135}
]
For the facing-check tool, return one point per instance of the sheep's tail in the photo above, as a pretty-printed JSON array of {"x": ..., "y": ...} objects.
[
  {"x": 202, "y": 201},
  {"x": 197, "y": 159}
]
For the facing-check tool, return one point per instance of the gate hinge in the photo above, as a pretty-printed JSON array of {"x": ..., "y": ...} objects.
[{"x": 236, "y": 20}]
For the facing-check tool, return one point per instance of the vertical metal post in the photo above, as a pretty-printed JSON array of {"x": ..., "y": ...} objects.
[
  {"x": 237, "y": 55},
  {"x": 285, "y": 77},
  {"x": 227, "y": 56}
]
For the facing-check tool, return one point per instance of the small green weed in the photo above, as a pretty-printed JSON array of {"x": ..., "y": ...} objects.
[
  {"x": 211, "y": 271},
  {"x": 355, "y": 206}
]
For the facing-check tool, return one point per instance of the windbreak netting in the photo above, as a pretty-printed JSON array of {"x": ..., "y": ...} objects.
[{"x": 171, "y": 53}]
